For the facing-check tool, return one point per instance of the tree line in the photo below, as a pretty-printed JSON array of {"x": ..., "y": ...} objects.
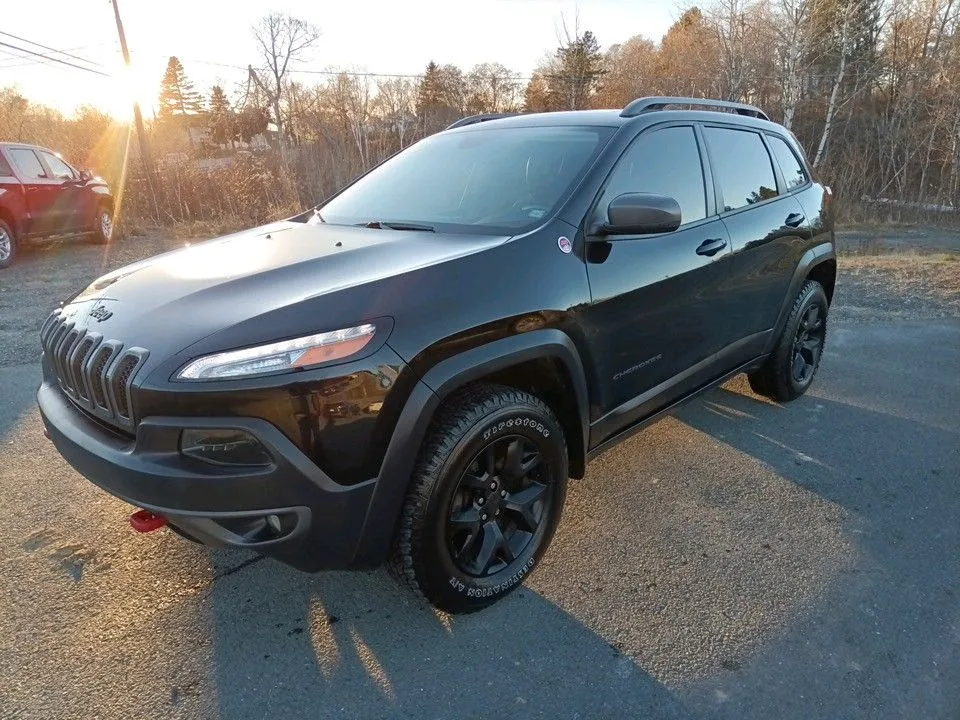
[{"x": 871, "y": 88}]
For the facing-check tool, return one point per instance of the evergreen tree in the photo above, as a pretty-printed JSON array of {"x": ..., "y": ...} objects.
[
  {"x": 578, "y": 67},
  {"x": 221, "y": 122},
  {"x": 178, "y": 96}
]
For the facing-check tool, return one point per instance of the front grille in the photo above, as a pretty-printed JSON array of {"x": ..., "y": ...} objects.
[{"x": 96, "y": 374}]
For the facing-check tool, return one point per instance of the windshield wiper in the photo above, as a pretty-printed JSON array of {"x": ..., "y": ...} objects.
[{"x": 381, "y": 224}]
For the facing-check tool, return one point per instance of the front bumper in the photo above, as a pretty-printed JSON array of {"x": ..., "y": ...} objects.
[{"x": 323, "y": 522}]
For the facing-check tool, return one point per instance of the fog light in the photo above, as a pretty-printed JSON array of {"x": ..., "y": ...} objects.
[{"x": 223, "y": 447}]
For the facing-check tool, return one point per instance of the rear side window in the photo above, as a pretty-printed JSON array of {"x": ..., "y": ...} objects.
[
  {"x": 27, "y": 163},
  {"x": 792, "y": 169},
  {"x": 741, "y": 166},
  {"x": 665, "y": 162},
  {"x": 5, "y": 170}
]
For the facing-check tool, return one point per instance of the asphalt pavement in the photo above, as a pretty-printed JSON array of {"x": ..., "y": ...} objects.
[{"x": 740, "y": 560}]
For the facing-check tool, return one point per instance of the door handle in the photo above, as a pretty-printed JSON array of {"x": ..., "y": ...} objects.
[
  {"x": 711, "y": 247},
  {"x": 794, "y": 220}
]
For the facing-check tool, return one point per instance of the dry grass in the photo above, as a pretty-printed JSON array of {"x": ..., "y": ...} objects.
[{"x": 934, "y": 275}]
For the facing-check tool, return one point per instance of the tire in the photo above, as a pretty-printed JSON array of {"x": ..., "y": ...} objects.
[
  {"x": 8, "y": 246},
  {"x": 103, "y": 229},
  {"x": 789, "y": 371},
  {"x": 466, "y": 513}
]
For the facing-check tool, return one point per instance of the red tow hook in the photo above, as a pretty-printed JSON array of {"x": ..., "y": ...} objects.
[{"x": 144, "y": 521}]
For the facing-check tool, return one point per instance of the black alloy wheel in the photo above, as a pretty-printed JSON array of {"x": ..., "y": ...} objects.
[
  {"x": 499, "y": 506},
  {"x": 808, "y": 343}
]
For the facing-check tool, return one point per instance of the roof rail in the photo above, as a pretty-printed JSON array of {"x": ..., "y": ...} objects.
[
  {"x": 646, "y": 104},
  {"x": 473, "y": 119}
]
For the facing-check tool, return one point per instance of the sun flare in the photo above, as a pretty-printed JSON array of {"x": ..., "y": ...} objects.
[{"x": 130, "y": 85}]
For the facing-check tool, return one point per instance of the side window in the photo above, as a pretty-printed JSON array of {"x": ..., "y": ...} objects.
[
  {"x": 27, "y": 163},
  {"x": 57, "y": 166},
  {"x": 5, "y": 170},
  {"x": 665, "y": 162},
  {"x": 791, "y": 168},
  {"x": 741, "y": 166}
]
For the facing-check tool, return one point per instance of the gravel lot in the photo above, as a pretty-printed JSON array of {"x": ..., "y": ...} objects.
[{"x": 740, "y": 560}]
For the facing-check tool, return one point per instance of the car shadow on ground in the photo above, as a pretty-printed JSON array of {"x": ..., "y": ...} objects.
[{"x": 855, "y": 638}]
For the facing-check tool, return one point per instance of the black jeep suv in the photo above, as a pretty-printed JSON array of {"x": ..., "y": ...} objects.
[{"x": 414, "y": 368}]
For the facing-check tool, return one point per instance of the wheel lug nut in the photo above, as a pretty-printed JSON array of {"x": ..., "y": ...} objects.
[
  {"x": 479, "y": 501},
  {"x": 483, "y": 517},
  {"x": 493, "y": 486},
  {"x": 503, "y": 493}
]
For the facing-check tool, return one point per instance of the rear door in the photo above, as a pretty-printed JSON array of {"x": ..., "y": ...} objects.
[
  {"x": 41, "y": 192},
  {"x": 651, "y": 319},
  {"x": 767, "y": 229}
]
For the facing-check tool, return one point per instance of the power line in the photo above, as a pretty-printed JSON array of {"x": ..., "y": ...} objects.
[
  {"x": 47, "y": 47},
  {"x": 54, "y": 59}
]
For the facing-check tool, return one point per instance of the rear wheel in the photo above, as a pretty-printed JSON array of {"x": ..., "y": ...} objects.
[
  {"x": 789, "y": 371},
  {"x": 8, "y": 245},
  {"x": 485, "y": 498}
]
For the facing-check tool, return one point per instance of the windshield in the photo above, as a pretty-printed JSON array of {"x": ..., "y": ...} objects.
[{"x": 496, "y": 181}]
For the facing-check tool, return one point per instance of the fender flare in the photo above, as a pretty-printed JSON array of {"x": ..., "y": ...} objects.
[
  {"x": 438, "y": 383},
  {"x": 816, "y": 255}
]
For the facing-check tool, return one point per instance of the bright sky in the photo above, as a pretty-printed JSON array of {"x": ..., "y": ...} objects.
[{"x": 382, "y": 36}]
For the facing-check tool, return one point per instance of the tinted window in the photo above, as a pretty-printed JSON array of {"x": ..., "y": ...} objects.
[
  {"x": 5, "y": 170},
  {"x": 27, "y": 163},
  {"x": 490, "y": 180},
  {"x": 791, "y": 168},
  {"x": 741, "y": 166},
  {"x": 665, "y": 162},
  {"x": 57, "y": 166}
]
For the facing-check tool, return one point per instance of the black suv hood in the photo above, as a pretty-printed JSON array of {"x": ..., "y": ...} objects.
[{"x": 171, "y": 301}]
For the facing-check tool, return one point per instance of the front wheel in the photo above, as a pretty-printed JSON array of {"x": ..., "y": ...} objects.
[
  {"x": 485, "y": 498},
  {"x": 8, "y": 246},
  {"x": 789, "y": 371},
  {"x": 103, "y": 227}
]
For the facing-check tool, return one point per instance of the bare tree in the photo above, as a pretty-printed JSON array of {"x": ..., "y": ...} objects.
[{"x": 282, "y": 40}]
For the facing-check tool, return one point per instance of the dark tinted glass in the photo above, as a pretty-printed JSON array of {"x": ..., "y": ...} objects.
[
  {"x": 505, "y": 180},
  {"x": 791, "y": 168},
  {"x": 741, "y": 166},
  {"x": 665, "y": 162},
  {"x": 27, "y": 162}
]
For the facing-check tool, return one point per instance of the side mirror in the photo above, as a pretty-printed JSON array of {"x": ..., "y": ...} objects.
[
  {"x": 640, "y": 214},
  {"x": 86, "y": 176}
]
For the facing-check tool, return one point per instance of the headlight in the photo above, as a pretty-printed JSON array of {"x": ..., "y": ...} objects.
[{"x": 284, "y": 355}]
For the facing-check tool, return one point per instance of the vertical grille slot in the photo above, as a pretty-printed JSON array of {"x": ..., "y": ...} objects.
[
  {"x": 120, "y": 378},
  {"x": 60, "y": 354},
  {"x": 98, "y": 376},
  {"x": 77, "y": 363}
]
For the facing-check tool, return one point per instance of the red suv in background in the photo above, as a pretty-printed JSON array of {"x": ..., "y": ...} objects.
[{"x": 41, "y": 194}]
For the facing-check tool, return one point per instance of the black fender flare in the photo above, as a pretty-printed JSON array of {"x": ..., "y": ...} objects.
[
  {"x": 816, "y": 255},
  {"x": 435, "y": 385}
]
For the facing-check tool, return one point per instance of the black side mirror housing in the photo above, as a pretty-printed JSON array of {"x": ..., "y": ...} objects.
[
  {"x": 639, "y": 214},
  {"x": 86, "y": 176}
]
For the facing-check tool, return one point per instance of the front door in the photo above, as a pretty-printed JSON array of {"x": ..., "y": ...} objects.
[
  {"x": 73, "y": 204},
  {"x": 651, "y": 322},
  {"x": 42, "y": 192}
]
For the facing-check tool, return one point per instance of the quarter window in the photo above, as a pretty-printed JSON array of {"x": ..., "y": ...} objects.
[
  {"x": 5, "y": 170},
  {"x": 58, "y": 167},
  {"x": 664, "y": 162},
  {"x": 27, "y": 162},
  {"x": 741, "y": 166},
  {"x": 793, "y": 172}
]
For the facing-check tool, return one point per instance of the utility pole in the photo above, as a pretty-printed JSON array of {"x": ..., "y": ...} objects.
[{"x": 145, "y": 157}]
